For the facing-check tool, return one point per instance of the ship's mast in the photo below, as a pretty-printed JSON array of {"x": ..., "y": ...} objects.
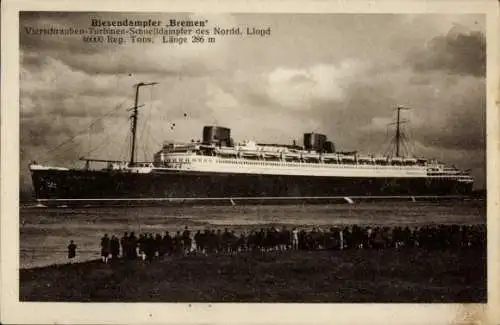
[
  {"x": 398, "y": 131},
  {"x": 135, "y": 115}
]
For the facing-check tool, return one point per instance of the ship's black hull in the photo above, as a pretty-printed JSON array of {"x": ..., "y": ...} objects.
[{"x": 80, "y": 187}]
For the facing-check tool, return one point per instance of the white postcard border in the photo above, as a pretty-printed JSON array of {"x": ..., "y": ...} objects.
[{"x": 13, "y": 311}]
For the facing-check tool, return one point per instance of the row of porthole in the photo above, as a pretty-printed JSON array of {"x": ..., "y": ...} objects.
[
  {"x": 284, "y": 164},
  {"x": 309, "y": 164}
]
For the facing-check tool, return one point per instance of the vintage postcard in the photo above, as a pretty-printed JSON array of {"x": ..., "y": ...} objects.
[{"x": 250, "y": 162}]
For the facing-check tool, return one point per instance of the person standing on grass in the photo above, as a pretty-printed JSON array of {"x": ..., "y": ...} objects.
[
  {"x": 132, "y": 246},
  {"x": 197, "y": 241},
  {"x": 150, "y": 247},
  {"x": 178, "y": 243},
  {"x": 115, "y": 247},
  {"x": 125, "y": 246},
  {"x": 142, "y": 246},
  {"x": 157, "y": 245},
  {"x": 295, "y": 239},
  {"x": 186, "y": 240},
  {"x": 105, "y": 248},
  {"x": 167, "y": 243},
  {"x": 341, "y": 239},
  {"x": 71, "y": 251}
]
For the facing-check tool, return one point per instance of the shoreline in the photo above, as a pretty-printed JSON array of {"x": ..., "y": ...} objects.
[
  {"x": 228, "y": 202},
  {"x": 249, "y": 204}
]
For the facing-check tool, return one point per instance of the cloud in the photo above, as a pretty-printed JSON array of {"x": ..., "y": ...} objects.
[
  {"x": 463, "y": 125},
  {"x": 448, "y": 110},
  {"x": 457, "y": 52},
  {"x": 377, "y": 124},
  {"x": 54, "y": 76},
  {"x": 300, "y": 88}
]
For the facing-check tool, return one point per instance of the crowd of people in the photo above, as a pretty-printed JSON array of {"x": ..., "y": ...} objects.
[{"x": 148, "y": 246}]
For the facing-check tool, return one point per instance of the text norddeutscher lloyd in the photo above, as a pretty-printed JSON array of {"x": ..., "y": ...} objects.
[{"x": 237, "y": 31}]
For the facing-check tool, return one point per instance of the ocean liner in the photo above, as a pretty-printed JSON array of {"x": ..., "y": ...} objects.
[{"x": 217, "y": 170}]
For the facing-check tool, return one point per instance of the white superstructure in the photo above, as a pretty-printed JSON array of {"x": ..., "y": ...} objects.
[{"x": 250, "y": 158}]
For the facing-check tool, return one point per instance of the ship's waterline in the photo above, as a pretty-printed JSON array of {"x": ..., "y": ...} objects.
[{"x": 76, "y": 187}]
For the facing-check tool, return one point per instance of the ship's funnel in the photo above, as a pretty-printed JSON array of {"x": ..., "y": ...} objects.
[
  {"x": 217, "y": 135},
  {"x": 328, "y": 147},
  {"x": 314, "y": 141}
]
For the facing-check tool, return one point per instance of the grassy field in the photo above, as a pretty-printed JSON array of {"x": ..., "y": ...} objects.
[{"x": 407, "y": 275}]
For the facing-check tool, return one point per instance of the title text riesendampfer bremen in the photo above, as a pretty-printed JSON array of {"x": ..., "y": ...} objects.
[{"x": 147, "y": 23}]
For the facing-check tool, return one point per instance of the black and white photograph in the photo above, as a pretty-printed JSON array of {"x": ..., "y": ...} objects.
[{"x": 253, "y": 157}]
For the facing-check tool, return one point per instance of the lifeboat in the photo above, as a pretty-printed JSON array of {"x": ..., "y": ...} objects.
[
  {"x": 330, "y": 157},
  {"x": 410, "y": 161},
  {"x": 347, "y": 158},
  {"x": 270, "y": 154},
  {"x": 292, "y": 156},
  {"x": 226, "y": 152},
  {"x": 365, "y": 160},
  {"x": 310, "y": 156},
  {"x": 250, "y": 154}
]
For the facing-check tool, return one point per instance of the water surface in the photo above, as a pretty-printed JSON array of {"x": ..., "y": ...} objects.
[{"x": 46, "y": 232}]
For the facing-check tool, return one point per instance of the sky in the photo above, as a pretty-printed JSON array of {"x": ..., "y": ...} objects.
[{"x": 342, "y": 75}]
